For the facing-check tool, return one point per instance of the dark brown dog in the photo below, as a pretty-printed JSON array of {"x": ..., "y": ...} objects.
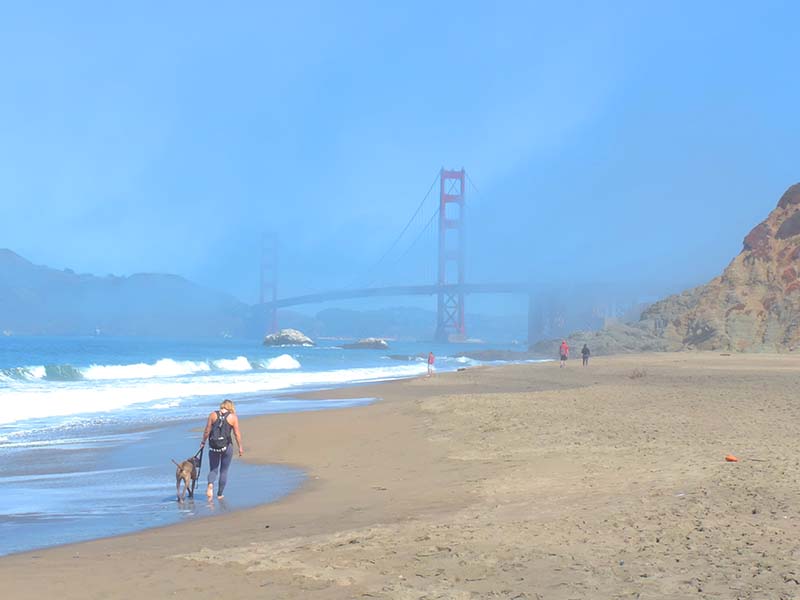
[{"x": 187, "y": 472}]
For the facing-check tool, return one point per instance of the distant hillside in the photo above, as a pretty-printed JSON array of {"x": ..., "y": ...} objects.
[{"x": 39, "y": 300}]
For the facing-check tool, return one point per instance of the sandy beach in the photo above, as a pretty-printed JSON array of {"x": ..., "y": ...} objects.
[{"x": 518, "y": 482}]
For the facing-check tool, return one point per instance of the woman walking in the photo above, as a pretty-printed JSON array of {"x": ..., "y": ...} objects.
[{"x": 221, "y": 423}]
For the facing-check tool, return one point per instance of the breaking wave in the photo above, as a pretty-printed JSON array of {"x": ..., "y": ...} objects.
[
  {"x": 166, "y": 367},
  {"x": 240, "y": 363},
  {"x": 22, "y": 373},
  {"x": 54, "y": 400},
  {"x": 163, "y": 368},
  {"x": 282, "y": 363}
]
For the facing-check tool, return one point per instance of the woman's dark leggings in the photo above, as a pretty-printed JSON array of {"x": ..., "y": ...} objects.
[{"x": 219, "y": 463}]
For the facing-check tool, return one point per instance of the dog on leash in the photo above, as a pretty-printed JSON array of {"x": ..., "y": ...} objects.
[{"x": 187, "y": 472}]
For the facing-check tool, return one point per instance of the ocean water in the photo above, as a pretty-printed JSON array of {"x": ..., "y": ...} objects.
[{"x": 88, "y": 425}]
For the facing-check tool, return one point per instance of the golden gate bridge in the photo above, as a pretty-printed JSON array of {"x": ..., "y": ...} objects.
[{"x": 450, "y": 287}]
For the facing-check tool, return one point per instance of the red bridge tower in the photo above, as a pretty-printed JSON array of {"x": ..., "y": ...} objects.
[{"x": 450, "y": 309}]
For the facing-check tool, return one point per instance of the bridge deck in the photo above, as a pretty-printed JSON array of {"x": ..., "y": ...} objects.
[{"x": 403, "y": 290}]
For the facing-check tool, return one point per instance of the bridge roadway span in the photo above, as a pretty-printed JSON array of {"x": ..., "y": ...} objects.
[{"x": 403, "y": 290}]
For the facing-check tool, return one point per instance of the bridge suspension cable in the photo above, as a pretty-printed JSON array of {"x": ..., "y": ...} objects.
[
  {"x": 474, "y": 187},
  {"x": 373, "y": 273},
  {"x": 427, "y": 235},
  {"x": 428, "y": 228}
]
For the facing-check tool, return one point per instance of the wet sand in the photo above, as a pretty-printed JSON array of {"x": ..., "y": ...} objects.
[
  {"x": 99, "y": 487},
  {"x": 524, "y": 481}
]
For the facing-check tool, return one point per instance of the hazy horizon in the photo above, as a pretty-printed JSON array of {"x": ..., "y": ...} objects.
[{"x": 630, "y": 145}]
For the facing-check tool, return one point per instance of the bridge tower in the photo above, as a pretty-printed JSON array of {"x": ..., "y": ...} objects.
[
  {"x": 450, "y": 309},
  {"x": 269, "y": 278}
]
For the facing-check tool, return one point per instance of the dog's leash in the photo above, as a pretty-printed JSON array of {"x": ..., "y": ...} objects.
[{"x": 199, "y": 457}]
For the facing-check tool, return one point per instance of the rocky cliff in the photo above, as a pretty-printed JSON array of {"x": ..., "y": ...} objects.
[
  {"x": 616, "y": 338},
  {"x": 754, "y": 305}
]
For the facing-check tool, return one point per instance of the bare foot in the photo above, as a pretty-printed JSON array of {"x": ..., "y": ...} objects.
[
  {"x": 210, "y": 490},
  {"x": 220, "y": 496}
]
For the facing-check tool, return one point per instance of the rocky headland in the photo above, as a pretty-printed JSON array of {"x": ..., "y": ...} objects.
[
  {"x": 616, "y": 338},
  {"x": 753, "y": 306}
]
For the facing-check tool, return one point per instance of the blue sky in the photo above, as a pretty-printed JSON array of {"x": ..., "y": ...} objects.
[{"x": 610, "y": 142}]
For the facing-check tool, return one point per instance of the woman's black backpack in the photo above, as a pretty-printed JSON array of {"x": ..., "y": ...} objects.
[{"x": 220, "y": 435}]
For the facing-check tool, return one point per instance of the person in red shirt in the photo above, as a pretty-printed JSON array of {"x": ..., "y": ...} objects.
[
  {"x": 564, "y": 352},
  {"x": 431, "y": 359}
]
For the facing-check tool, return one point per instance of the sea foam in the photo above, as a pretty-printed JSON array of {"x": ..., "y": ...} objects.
[
  {"x": 281, "y": 363},
  {"x": 240, "y": 363},
  {"x": 166, "y": 367},
  {"x": 163, "y": 368},
  {"x": 58, "y": 399},
  {"x": 23, "y": 373}
]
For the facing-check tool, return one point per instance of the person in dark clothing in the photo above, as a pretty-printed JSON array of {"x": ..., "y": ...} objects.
[
  {"x": 585, "y": 355},
  {"x": 220, "y": 457}
]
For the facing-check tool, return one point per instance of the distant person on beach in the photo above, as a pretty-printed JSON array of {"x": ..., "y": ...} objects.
[
  {"x": 431, "y": 360},
  {"x": 585, "y": 355},
  {"x": 564, "y": 353},
  {"x": 221, "y": 423}
]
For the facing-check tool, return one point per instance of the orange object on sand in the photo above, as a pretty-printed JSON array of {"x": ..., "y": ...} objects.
[{"x": 731, "y": 458}]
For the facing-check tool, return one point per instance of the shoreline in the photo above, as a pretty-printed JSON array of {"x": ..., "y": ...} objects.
[
  {"x": 310, "y": 482},
  {"x": 495, "y": 481},
  {"x": 93, "y": 493},
  {"x": 100, "y": 483}
]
